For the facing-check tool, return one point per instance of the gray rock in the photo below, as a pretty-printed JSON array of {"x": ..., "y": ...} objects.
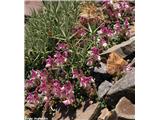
[
  {"x": 30, "y": 5},
  {"x": 89, "y": 112},
  {"x": 102, "y": 69},
  {"x": 126, "y": 82},
  {"x": 123, "y": 49},
  {"x": 125, "y": 109},
  {"x": 132, "y": 62},
  {"x": 131, "y": 0},
  {"x": 103, "y": 88}
]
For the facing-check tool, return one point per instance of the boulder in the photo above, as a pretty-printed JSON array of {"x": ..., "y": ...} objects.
[
  {"x": 105, "y": 113},
  {"x": 102, "y": 69},
  {"x": 86, "y": 112},
  {"x": 125, "y": 109},
  {"x": 126, "y": 82},
  {"x": 123, "y": 49},
  {"x": 103, "y": 88}
]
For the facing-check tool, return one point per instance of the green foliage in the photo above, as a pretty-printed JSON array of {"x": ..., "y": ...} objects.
[
  {"x": 43, "y": 29},
  {"x": 103, "y": 103}
]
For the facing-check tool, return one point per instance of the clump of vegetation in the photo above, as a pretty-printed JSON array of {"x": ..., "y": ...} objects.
[
  {"x": 64, "y": 42},
  {"x": 44, "y": 29}
]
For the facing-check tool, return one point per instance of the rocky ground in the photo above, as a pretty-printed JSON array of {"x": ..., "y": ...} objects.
[{"x": 119, "y": 94}]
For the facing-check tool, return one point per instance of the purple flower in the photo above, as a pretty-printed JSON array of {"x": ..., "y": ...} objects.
[
  {"x": 85, "y": 81},
  {"x": 49, "y": 62}
]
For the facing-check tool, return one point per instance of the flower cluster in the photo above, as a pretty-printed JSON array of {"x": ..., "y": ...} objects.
[
  {"x": 84, "y": 80},
  {"x": 102, "y": 42},
  {"x": 74, "y": 55},
  {"x": 60, "y": 56},
  {"x": 64, "y": 92},
  {"x": 105, "y": 30},
  {"x": 79, "y": 31},
  {"x": 121, "y": 15},
  {"x": 33, "y": 98},
  {"x": 36, "y": 75},
  {"x": 94, "y": 55}
]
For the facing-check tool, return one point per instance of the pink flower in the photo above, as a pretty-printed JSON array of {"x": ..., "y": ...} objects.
[
  {"x": 75, "y": 73},
  {"x": 62, "y": 46},
  {"x": 43, "y": 86},
  {"x": 67, "y": 93},
  {"x": 66, "y": 53},
  {"x": 56, "y": 88},
  {"x": 35, "y": 74},
  {"x": 68, "y": 101},
  {"x": 117, "y": 26},
  {"x": 43, "y": 74},
  {"x": 94, "y": 56},
  {"x": 49, "y": 62},
  {"x": 67, "y": 89},
  {"x": 126, "y": 23},
  {"x": 95, "y": 51},
  {"x": 105, "y": 30},
  {"x": 33, "y": 98},
  {"x": 124, "y": 5},
  {"x": 30, "y": 82},
  {"x": 102, "y": 42},
  {"x": 116, "y": 6},
  {"x": 85, "y": 81},
  {"x": 83, "y": 20},
  {"x": 79, "y": 31},
  {"x": 90, "y": 62},
  {"x": 59, "y": 59},
  {"x": 64, "y": 92},
  {"x": 107, "y": 1},
  {"x": 127, "y": 68}
]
